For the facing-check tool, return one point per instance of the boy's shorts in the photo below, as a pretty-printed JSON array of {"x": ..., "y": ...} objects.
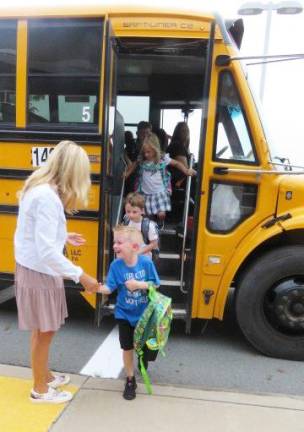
[{"x": 126, "y": 332}]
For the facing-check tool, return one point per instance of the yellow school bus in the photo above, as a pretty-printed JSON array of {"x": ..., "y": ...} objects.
[{"x": 89, "y": 73}]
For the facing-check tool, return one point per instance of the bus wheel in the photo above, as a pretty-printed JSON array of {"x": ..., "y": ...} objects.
[{"x": 270, "y": 303}]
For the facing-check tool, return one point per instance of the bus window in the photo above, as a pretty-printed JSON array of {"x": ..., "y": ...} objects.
[
  {"x": 230, "y": 205},
  {"x": 8, "y": 32},
  {"x": 64, "y": 59},
  {"x": 140, "y": 110},
  {"x": 233, "y": 141}
]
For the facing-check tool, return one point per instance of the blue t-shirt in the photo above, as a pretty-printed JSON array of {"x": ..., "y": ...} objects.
[{"x": 131, "y": 304}]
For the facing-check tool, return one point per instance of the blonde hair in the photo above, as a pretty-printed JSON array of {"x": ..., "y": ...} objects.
[
  {"x": 131, "y": 233},
  {"x": 67, "y": 168},
  {"x": 152, "y": 141},
  {"x": 135, "y": 199}
]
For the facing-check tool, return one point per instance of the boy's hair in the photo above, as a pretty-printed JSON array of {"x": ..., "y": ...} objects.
[
  {"x": 135, "y": 199},
  {"x": 144, "y": 125},
  {"x": 131, "y": 233}
]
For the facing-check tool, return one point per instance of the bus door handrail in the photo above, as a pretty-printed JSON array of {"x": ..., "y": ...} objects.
[
  {"x": 185, "y": 226},
  {"x": 121, "y": 192}
]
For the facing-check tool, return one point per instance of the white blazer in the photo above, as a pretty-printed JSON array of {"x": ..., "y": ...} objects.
[{"x": 41, "y": 234}]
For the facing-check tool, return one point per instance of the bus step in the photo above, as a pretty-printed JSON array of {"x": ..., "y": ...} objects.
[
  {"x": 179, "y": 312},
  {"x": 169, "y": 255},
  {"x": 168, "y": 265},
  {"x": 170, "y": 282}
]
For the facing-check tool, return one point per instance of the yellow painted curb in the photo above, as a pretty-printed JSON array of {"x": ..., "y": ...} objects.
[{"x": 18, "y": 414}]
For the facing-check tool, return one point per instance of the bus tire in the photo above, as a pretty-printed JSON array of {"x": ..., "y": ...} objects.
[{"x": 270, "y": 303}]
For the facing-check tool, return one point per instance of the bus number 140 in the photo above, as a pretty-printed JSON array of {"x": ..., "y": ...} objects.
[{"x": 40, "y": 155}]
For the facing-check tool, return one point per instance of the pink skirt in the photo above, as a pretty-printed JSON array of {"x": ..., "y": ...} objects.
[{"x": 41, "y": 301}]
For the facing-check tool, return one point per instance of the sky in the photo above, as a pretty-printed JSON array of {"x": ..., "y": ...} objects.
[{"x": 284, "y": 83}]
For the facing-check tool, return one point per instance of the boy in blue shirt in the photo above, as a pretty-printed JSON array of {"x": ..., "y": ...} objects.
[{"x": 131, "y": 274}]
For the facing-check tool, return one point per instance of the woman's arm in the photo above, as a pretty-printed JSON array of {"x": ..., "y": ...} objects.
[
  {"x": 48, "y": 218},
  {"x": 187, "y": 171},
  {"x": 89, "y": 283},
  {"x": 182, "y": 159},
  {"x": 103, "y": 289}
]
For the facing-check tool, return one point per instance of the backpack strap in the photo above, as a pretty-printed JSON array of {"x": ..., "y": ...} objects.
[
  {"x": 138, "y": 181},
  {"x": 125, "y": 220},
  {"x": 166, "y": 176},
  {"x": 145, "y": 224}
]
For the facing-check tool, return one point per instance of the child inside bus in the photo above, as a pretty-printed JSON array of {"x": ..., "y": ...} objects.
[
  {"x": 130, "y": 274},
  {"x": 153, "y": 177},
  {"x": 134, "y": 216}
]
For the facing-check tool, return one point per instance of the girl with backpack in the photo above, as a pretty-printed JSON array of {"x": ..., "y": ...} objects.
[{"x": 154, "y": 179}]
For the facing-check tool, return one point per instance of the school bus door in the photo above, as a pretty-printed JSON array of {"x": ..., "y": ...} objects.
[{"x": 112, "y": 162}]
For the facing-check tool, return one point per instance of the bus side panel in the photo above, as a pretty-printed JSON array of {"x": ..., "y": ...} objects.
[
  {"x": 7, "y": 229},
  {"x": 17, "y": 160},
  {"x": 10, "y": 187}
]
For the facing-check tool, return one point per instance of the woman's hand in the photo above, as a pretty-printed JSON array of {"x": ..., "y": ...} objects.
[
  {"x": 191, "y": 172},
  {"x": 89, "y": 283},
  {"x": 75, "y": 239}
]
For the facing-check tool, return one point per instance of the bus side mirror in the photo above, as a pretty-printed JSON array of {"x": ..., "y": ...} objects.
[{"x": 236, "y": 30}]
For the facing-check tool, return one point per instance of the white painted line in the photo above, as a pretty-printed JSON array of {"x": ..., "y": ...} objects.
[{"x": 106, "y": 362}]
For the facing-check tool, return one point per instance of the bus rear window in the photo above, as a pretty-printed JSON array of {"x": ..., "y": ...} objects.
[
  {"x": 64, "y": 61},
  {"x": 8, "y": 33}
]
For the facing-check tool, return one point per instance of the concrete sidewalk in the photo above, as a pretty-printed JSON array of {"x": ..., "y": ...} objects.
[{"x": 98, "y": 406}]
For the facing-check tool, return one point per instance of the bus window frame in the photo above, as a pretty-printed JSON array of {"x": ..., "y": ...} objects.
[
  {"x": 72, "y": 128},
  {"x": 11, "y": 126}
]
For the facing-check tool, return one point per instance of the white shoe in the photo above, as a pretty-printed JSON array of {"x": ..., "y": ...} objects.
[
  {"x": 59, "y": 380},
  {"x": 51, "y": 397}
]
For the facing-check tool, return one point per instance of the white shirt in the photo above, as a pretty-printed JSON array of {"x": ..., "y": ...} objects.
[
  {"x": 41, "y": 234},
  {"x": 152, "y": 181},
  {"x": 152, "y": 233}
]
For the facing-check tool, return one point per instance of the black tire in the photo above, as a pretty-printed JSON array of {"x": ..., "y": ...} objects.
[{"x": 270, "y": 303}]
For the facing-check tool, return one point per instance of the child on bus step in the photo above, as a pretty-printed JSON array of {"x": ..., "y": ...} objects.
[
  {"x": 134, "y": 216},
  {"x": 130, "y": 274},
  {"x": 153, "y": 178}
]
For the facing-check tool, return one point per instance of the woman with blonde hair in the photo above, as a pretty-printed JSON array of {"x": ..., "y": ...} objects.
[{"x": 62, "y": 185}]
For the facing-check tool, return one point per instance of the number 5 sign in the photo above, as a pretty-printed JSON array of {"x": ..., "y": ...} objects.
[{"x": 40, "y": 155}]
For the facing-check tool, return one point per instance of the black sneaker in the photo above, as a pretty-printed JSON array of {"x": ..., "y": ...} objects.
[{"x": 130, "y": 387}]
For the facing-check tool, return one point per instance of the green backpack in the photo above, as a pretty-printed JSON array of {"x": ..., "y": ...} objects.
[{"x": 152, "y": 330}]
